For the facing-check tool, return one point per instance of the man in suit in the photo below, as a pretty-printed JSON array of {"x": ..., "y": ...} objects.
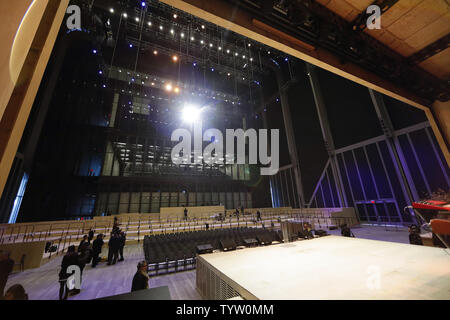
[
  {"x": 140, "y": 279},
  {"x": 97, "y": 249},
  {"x": 123, "y": 239},
  {"x": 114, "y": 245}
]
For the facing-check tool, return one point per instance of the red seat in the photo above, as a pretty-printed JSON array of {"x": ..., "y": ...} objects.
[{"x": 440, "y": 226}]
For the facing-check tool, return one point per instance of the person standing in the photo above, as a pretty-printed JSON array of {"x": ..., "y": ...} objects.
[
  {"x": 122, "y": 239},
  {"x": 346, "y": 231},
  {"x": 90, "y": 235},
  {"x": 83, "y": 243},
  {"x": 97, "y": 249},
  {"x": 185, "y": 213},
  {"x": 113, "y": 252},
  {"x": 258, "y": 216},
  {"x": 6, "y": 266},
  {"x": 140, "y": 279},
  {"x": 71, "y": 258}
]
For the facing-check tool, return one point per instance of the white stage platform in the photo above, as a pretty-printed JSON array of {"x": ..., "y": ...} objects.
[{"x": 330, "y": 267}]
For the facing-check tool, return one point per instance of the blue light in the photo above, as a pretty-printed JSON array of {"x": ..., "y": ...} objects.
[
  {"x": 100, "y": 72},
  {"x": 94, "y": 51},
  {"x": 131, "y": 46},
  {"x": 143, "y": 3},
  {"x": 286, "y": 59},
  {"x": 212, "y": 69},
  {"x": 194, "y": 64},
  {"x": 104, "y": 86}
]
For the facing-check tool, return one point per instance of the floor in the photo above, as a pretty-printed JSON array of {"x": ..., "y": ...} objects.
[
  {"x": 103, "y": 281},
  {"x": 336, "y": 267},
  {"x": 42, "y": 283}
]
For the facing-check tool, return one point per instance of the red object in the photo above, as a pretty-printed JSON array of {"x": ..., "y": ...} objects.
[
  {"x": 432, "y": 205},
  {"x": 440, "y": 226}
]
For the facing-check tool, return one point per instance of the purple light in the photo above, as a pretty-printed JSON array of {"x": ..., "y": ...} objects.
[
  {"x": 194, "y": 64},
  {"x": 100, "y": 72},
  {"x": 143, "y": 3},
  {"x": 131, "y": 46},
  {"x": 104, "y": 86},
  {"x": 94, "y": 51},
  {"x": 286, "y": 59},
  {"x": 212, "y": 69}
]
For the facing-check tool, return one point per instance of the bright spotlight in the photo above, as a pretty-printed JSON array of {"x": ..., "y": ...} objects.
[
  {"x": 168, "y": 87},
  {"x": 155, "y": 52},
  {"x": 191, "y": 113},
  {"x": 111, "y": 10},
  {"x": 177, "y": 90},
  {"x": 175, "y": 58}
]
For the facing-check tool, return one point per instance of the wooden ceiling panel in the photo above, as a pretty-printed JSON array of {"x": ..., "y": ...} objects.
[
  {"x": 439, "y": 64},
  {"x": 398, "y": 10},
  {"x": 418, "y": 18},
  {"x": 430, "y": 33}
]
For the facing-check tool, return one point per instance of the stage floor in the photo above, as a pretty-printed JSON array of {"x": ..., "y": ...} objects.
[{"x": 335, "y": 267}]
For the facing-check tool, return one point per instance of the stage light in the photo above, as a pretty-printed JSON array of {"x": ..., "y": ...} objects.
[
  {"x": 137, "y": 19},
  {"x": 155, "y": 52},
  {"x": 192, "y": 39},
  {"x": 220, "y": 48},
  {"x": 100, "y": 72},
  {"x": 104, "y": 86},
  {"x": 125, "y": 15},
  {"x": 111, "y": 10},
  {"x": 143, "y": 3},
  {"x": 194, "y": 64},
  {"x": 236, "y": 54},
  {"x": 201, "y": 41},
  {"x": 268, "y": 52},
  {"x": 175, "y": 58},
  {"x": 249, "y": 45},
  {"x": 94, "y": 51},
  {"x": 286, "y": 59},
  {"x": 228, "y": 50},
  {"x": 203, "y": 27},
  {"x": 160, "y": 27},
  {"x": 168, "y": 87},
  {"x": 229, "y": 74},
  {"x": 149, "y": 24},
  {"x": 153, "y": 83},
  {"x": 171, "y": 31},
  {"x": 177, "y": 90},
  {"x": 175, "y": 16},
  {"x": 243, "y": 57},
  {"x": 210, "y": 45},
  {"x": 251, "y": 59},
  {"x": 212, "y": 69},
  {"x": 191, "y": 113},
  {"x": 182, "y": 35},
  {"x": 130, "y": 45}
]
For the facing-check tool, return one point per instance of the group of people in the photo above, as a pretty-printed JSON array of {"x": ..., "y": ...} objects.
[
  {"x": 88, "y": 252},
  {"x": 16, "y": 291}
]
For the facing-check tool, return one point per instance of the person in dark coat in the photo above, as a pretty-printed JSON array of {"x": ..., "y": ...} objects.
[
  {"x": 6, "y": 266},
  {"x": 90, "y": 235},
  {"x": 71, "y": 258},
  {"x": 140, "y": 279},
  {"x": 185, "y": 213},
  {"x": 114, "y": 245},
  {"x": 122, "y": 239},
  {"x": 97, "y": 249},
  {"x": 414, "y": 235},
  {"x": 83, "y": 243},
  {"x": 258, "y": 216},
  {"x": 346, "y": 232}
]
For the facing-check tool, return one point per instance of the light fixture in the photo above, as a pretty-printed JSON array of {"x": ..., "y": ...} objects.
[
  {"x": 210, "y": 45},
  {"x": 182, "y": 35},
  {"x": 201, "y": 41},
  {"x": 94, "y": 51},
  {"x": 203, "y": 26},
  {"x": 143, "y": 3},
  {"x": 177, "y": 90},
  {"x": 160, "y": 27},
  {"x": 111, "y": 10},
  {"x": 100, "y": 72},
  {"x": 251, "y": 59},
  {"x": 155, "y": 52},
  {"x": 229, "y": 74},
  {"x": 149, "y": 24},
  {"x": 249, "y": 45},
  {"x": 137, "y": 19},
  {"x": 268, "y": 52},
  {"x": 220, "y": 48},
  {"x": 153, "y": 83},
  {"x": 194, "y": 64},
  {"x": 175, "y": 16},
  {"x": 125, "y": 15},
  {"x": 243, "y": 57},
  {"x": 228, "y": 50},
  {"x": 192, "y": 39},
  {"x": 130, "y": 45},
  {"x": 168, "y": 87},
  {"x": 175, "y": 58},
  {"x": 212, "y": 69},
  {"x": 171, "y": 31},
  {"x": 191, "y": 113},
  {"x": 236, "y": 54}
]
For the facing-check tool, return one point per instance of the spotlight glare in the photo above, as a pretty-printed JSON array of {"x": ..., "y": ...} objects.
[
  {"x": 192, "y": 39},
  {"x": 111, "y": 10},
  {"x": 155, "y": 52},
  {"x": 191, "y": 113},
  {"x": 143, "y": 3},
  {"x": 171, "y": 31},
  {"x": 182, "y": 35},
  {"x": 236, "y": 54},
  {"x": 201, "y": 41},
  {"x": 220, "y": 48},
  {"x": 175, "y": 16},
  {"x": 203, "y": 27},
  {"x": 137, "y": 19},
  {"x": 160, "y": 27},
  {"x": 228, "y": 50},
  {"x": 177, "y": 90},
  {"x": 175, "y": 58},
  {"x": 168, "y": 87},
  {"x": 125, "y": 15},
  {"x": 149, "y": 24},
  {"x": 210, "y": 45}
]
